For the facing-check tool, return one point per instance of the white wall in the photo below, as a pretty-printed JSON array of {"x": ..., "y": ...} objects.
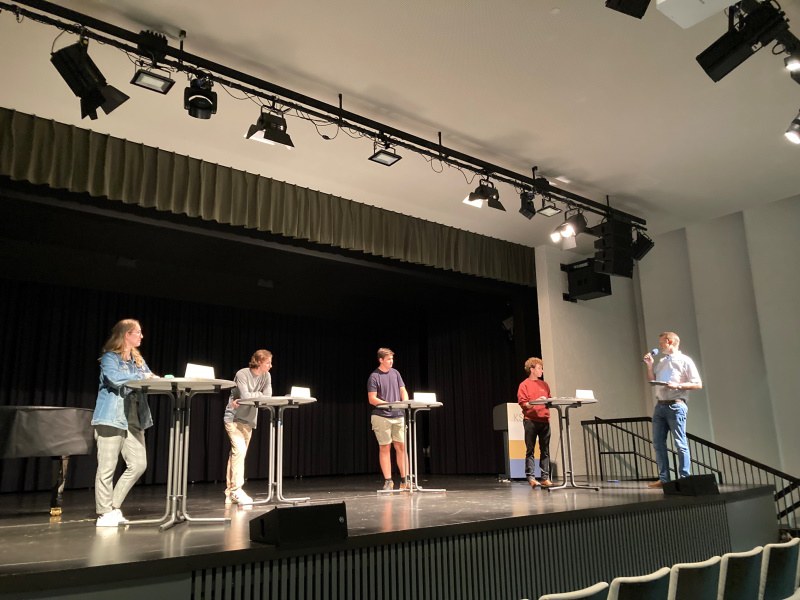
[
  {"x": 743, "y": 285},
  {"x": 589, "y": 345},
  {"x": 730, "y": 288}
]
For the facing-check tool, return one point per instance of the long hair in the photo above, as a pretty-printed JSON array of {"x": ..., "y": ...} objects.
[{"x": 116, "y": 342}]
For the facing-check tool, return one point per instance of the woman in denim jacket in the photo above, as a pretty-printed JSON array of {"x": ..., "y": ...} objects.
[{"x": 120, "y": 417}]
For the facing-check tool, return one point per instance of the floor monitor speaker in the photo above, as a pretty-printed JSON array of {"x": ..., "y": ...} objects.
[
  {"x": 301, "y": 525},
  {"x": 693, "y": 485}
]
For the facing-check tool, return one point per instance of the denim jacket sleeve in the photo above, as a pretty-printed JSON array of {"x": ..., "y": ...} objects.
[{"x": 116, "y": 372}]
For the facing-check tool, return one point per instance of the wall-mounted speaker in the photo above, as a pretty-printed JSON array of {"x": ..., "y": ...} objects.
[{"x": 301, "y": 525}]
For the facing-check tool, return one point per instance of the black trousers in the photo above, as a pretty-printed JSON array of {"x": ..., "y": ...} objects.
[{"x": 534, "y": 429}]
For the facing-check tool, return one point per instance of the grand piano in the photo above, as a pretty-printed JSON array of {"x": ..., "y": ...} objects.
[{"x": 54, "y": 431}]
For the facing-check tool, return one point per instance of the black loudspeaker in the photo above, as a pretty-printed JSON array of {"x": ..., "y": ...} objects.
[
  {"x": 694, "y": 485},
  {"x": 584, "y": 282},
  {"x": 301, "y": 525}
]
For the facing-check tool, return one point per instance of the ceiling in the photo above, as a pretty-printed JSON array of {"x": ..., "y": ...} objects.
[{"x": 617, "y": 105}]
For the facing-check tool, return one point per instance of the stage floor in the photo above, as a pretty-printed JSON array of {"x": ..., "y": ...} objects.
[{"x": 32, "y": 542}]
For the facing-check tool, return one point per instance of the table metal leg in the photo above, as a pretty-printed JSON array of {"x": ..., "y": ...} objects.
[
  {"x": 413, "y": 451},
  {"x": 169, "y": 509},
  {"x": 184, "y": 497},
  {"x": 271, "y": 484},
  {"x": 569, "y": 474},
  {"x": 279, "y": 461}
]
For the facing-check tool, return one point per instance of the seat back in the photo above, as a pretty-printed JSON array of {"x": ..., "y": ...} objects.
[
  {"x": 739, "y": 575},
  {"x": 694, "y": 581},
  {"x": 654, "y": 586},
  {"x": 779, "y": 570},
  {"x": 598, "y": 591}
]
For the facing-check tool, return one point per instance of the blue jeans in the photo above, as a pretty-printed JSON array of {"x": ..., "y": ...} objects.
[{"x": 671, "y": 417}]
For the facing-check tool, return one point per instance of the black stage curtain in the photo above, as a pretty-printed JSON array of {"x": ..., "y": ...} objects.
[{"x": 51, "y": 336}]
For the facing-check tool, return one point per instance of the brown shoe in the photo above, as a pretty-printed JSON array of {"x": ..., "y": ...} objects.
[
  {"x": 405, "y": 485},
  {"x": 533, "y": 483},
  {"x": 546, "y": 483},
  {"x": 655, "y": 484}
]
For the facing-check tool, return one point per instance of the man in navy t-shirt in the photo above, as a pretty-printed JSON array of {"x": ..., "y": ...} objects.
[{"x": 384, "y": 387}]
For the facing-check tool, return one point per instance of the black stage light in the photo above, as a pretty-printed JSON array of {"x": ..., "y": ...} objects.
[
  {"x": 150, "y": 80},
  {"x": 199, "y": 100},
  {"x": 761, "y": 25},
  {"x": 270, "y": 129},
  {"x": 634, "y": 8},
  {"x": 549, "y": 208},
  {"x": 384, "y": 154},
  {"x": 793, "y": 133},
  {"x": 526, "y": 208},
  {"x": 85, "y": 80},
  {"x": 485, "y": 192}
]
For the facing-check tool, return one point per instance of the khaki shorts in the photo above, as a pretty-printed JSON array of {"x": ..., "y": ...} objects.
[{"x": 388, "y": 430}]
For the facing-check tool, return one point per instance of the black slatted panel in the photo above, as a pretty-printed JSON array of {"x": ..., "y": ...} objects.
[{"x": 514, "y": 563}]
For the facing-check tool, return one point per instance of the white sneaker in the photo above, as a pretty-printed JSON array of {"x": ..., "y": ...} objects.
[
  {"x": 240, "y": 497},
  {"x": 112, "y": 518}
]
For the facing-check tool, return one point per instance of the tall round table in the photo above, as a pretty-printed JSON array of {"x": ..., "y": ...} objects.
[
  {"x": 181, "y": 390},
  {"x": 275, "y": 406},
  {"x": 563, "y": 406},
  {"x": 412, "y": 408}
]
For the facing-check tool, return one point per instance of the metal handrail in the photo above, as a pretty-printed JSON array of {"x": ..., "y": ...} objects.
[{"x": 622, "y": 449}]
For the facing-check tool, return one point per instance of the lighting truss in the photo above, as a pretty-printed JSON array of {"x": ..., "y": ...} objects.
[{"x": 143, "y": 45}]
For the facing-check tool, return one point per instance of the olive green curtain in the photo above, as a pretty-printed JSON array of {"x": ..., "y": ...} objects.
[{"x": 43, "y": 151}]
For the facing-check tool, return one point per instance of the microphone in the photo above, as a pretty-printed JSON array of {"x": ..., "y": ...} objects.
[{"x": 653, "y": 353}]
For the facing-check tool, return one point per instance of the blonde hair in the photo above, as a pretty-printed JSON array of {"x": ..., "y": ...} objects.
[
  {"x": 671, "y": 335},
  {"x": 116, "y": 341},
  {"x": 532, "y": 362},
  {"x": 384, "y": 352},
  {"x": 259, "y": 356}
]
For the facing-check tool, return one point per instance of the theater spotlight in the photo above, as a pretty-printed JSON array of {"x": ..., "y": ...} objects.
[
  {"x": 150, "y": 79},
  {"x": 485, "y": 192},
  {"x": 384, "y": 154},
  {"x": 85, "y": 80},
  {"x": 571, "y": 227},
  {"x": 752, "y": 25},
  {"x": 549, "y": 208},
  {"x": 527, "y": 209},
  {"x": 793, "y": 133},
  {"x": 198, "y": 99},
  {"x": 634, "y": 8},
  {"x": 270, "y": 129},
  {"x": 792, "y": 62}
]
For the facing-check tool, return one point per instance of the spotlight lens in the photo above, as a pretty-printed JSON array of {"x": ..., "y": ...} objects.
[
  {"x": 793, "y": 136},
  {"x": 555, "y": 236}
]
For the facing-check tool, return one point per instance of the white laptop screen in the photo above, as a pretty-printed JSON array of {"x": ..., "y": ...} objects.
[
  {"x": 199, "y": 371},
  {"x": 584, "y": 394},
  {"x": 300, "y": 392}
]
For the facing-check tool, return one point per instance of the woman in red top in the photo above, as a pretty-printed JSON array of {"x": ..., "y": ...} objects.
[{"x": 536, "y": 421}]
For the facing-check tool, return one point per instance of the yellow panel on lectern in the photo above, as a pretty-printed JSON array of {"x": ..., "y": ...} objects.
[{"x": 516, "y": 449}]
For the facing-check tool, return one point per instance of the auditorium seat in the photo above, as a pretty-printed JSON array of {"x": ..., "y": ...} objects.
[
  {"x": 654, "y": 586},
  {"x": 739, "y": 575},
  {"x": 779, "y": 570},
  {"x": 598, "y": 591},
  {"x": 694, "y": 581}
]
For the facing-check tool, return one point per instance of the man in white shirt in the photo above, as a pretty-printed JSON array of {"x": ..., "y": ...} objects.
[{"x": 678, "y": 374}]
